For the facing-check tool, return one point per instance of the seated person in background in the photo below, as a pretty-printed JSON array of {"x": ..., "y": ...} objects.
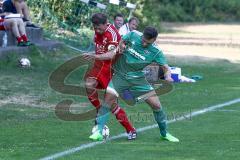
[
  {"x": 1, "y": 2},
  {"x": 130, "y": 26},
  {"x": 17, "y": 27},
  {"x": 18, "y": 6}
]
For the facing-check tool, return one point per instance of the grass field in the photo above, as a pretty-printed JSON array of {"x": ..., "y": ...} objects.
[{"x": 30, "y": 130}]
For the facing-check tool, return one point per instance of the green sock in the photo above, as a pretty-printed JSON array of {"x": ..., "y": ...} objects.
[
  {"x": 103, "y": 116},
  {"x": 161, "y": 119}
]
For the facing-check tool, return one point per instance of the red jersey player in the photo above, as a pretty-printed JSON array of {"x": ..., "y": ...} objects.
[{"x": 106, "y": 40}]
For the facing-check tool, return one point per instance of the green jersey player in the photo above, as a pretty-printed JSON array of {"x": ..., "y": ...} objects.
[{"x": 139, "y": 50}]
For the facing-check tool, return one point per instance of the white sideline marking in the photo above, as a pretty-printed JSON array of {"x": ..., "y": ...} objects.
[
  {"x": 74, "y": 48},
  {"x": 92, "y": 144}
]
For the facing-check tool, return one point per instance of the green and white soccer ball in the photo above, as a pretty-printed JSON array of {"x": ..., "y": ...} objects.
[{"x": 105, "y": 132}]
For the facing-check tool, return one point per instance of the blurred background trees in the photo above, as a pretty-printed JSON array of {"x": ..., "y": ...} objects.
[
  {"x": 69, "y": 20},
  {"x": 75, "y": 13}
]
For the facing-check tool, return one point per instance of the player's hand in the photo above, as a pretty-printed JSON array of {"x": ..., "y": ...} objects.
[
  {"x": 169, "y": 79},
  {"x": 89, "y": 57},
  {"x": 122, "y": 47}
]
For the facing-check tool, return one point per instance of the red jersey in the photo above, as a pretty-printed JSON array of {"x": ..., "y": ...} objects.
[
  {"x": 102, "y": 69},
  {"x": 102, "y": 42}
]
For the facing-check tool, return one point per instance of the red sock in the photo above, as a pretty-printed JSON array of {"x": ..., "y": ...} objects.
[
  {"x": 93, "y": 98},
  {"x": 19, "y": 39},
  {"x": 24, "y": 37},
  {"x": 122, "y": 118}
]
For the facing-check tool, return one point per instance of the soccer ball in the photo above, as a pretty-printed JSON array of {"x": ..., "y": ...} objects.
[
  {"x": 105, "y": 131},
  {"x": 24, "y": 62}
]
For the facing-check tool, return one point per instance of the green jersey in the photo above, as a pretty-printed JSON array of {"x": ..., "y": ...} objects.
[{"x": 135, "y": 58}]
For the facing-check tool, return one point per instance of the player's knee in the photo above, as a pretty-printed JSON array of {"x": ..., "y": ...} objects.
[
  {"x": 90, "y": 84},
  {"x": 156, "y": 106},
  {"x": 110, "y": 98},
  {"x": 113, "y": 106}
]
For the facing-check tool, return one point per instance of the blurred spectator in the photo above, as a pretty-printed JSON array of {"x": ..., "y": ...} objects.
[
  {"x": 130, "y": 26},
  {"x": 17, "y": 27},
  {"x": 1, "y": 3},
  {"x": 18, "y": 6},
  {"x": 118, "y": 21}
]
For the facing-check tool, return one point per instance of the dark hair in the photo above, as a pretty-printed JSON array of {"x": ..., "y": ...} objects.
[
  {"x": 99, "y": 18},
  {"x": 118, "y": 15},
  {"x": 132, "y": 19},
  {"x": 150, "y": 32}
]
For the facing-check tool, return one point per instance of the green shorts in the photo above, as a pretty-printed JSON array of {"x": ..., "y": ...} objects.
[{"x": 129, "y": 88}]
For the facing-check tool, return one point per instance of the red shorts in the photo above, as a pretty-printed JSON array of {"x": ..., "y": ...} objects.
[{"x": 102, "y": 74}]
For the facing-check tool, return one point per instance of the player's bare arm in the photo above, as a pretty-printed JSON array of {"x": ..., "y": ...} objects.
[
  {"x": 89, "y": 56},
  {"x": 112, "y": 51},
  {"x": 106, "y": 56}
]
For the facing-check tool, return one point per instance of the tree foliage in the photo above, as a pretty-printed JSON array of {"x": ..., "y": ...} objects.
[
  {"x": 76, "y": 14},
  {"x": 192, "y": 10}
]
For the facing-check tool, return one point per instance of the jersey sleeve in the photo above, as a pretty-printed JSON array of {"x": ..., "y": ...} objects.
[
  {"x": 123, "y": 30},
  {"x": 113, "y": 39},
  {"x": 127, "y": 37},
  {"x": 160, "y": 58}
]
